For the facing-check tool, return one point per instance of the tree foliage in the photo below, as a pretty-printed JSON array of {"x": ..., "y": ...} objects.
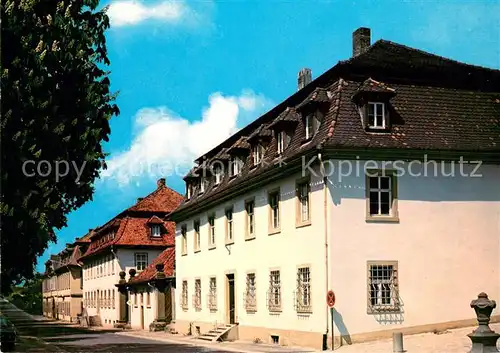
[
  {"x": 28, "y": 297},
  {"x": 56, "y": 106}
]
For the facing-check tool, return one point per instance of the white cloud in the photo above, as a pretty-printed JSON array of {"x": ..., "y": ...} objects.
[
  {"x": 166, "y": 144},
  {"x": 128, "y": 12}
]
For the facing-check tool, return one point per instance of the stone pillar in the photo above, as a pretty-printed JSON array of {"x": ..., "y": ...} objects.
[
  {"x": 484, "y": 339},
  {"x": 122, "y": 302}
]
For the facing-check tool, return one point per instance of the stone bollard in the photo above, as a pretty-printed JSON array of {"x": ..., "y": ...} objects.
[
  {"x": 484, "y": 339},
  {"x": 397, "y": 342}
]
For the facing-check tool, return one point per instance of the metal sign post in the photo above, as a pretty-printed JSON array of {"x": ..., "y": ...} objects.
[{"x": 330, "y": 301}]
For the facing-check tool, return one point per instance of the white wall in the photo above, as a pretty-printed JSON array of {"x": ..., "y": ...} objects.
[
  {"x": 123, "y": 261},
  {"x": 149, "y": 310},
  {"x": 285, "y": 251},
  {"x": 447, "y": 244}
]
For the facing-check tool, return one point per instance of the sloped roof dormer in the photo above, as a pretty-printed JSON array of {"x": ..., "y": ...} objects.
[
  {"x": 240, "y": 147},
  {"x": 288, "y": 119},
  {"x": 316, "y": 99},
  {"x": 375, "y": 90},
  {"x": 261, "y": 133}
]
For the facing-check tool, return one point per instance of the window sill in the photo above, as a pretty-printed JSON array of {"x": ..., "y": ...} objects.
[
  {"x": 197, "y": 250},
  {"x": 212, "y": 247},
  {"x": 249, "y": 237},
  {"x": 274, "y": 231},
  {"x": 383, "y": 310},
  {"x": 302, "y": 224},
  {"x": 184, "y": 254},
  {"x": 305, "y": 141},
  {"x": 275, "y": 311},
  {"x": 382, "y": 219},
  {"x": 229, "y": 242}
]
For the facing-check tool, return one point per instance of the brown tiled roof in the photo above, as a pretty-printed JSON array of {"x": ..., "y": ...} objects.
[
  {"x": 370, "y": 85},
  {"x": 319, "y": 95},
  {"x": 261, "y": 131},
  {"x": 437, "y": 105},
  {"x": 222, "y": 155},
  {"x": 289, "y": 115},
  {"x": 241, "y": 144},
  {"x": 163, "y": 199},
  {"x": 132, "y": 226},
  {"x": 166, "y": 257}
]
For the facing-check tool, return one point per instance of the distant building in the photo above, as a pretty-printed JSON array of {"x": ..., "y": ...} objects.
[
  {"x": 62, "y": 285},
  {"x": 271, "y": 222},
  {"x": 131, "y": 240}
]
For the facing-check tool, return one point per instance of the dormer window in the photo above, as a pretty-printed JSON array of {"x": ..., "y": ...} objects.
[
  {"x": 202, "y": 185},
  {"x": 376, "y": 115},
  {"x": 235, "y": 166},
  {"x": 218, "y": 174},
  {"x": 189, "y": 191},
  {"x": 282, "y": 141},
  {"x": 155, "y": 230},
  {"x": 258, "y": 154}
]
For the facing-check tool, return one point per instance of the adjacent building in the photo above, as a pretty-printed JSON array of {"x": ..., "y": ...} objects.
[
  {"x": 62, "y": 285},
  {"x": 129, "y": 241},
  {"x": 378, "y": 180}
]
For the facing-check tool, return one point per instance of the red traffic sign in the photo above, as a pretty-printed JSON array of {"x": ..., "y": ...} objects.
[{"x": 330, "y": 298}]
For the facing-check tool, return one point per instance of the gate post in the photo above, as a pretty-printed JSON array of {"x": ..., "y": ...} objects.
[{"x": 484, "y": 339}]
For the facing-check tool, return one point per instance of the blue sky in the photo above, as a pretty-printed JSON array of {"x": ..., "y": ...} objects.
[{"x": 191, "y": 73}]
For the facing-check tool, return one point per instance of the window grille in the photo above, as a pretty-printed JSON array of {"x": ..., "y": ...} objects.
[
  {"x": 212, "y": 295},
  {"x": 250, "y": 294},
  {"x": 383, "y": 293},
  {"x": 184, "y": 295},
  {"x": 274, "y": 293},
  {"x": 303, "y": 291},
  {"x": 197, "y": 294}
]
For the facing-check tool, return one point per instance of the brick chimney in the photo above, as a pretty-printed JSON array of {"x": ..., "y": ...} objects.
[
  {"x": 361, "y": 40},
  {"x": 160, "y": 183},
  {"x": 304, "y": 78}
]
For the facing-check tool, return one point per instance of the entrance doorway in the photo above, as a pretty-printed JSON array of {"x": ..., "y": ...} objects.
[{"x": 231, "y": 298}]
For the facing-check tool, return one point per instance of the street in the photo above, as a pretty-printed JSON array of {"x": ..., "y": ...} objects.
[{"x": 39, "y": 335}]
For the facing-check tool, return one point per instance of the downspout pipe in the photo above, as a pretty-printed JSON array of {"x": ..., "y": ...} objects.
[{"x": 325, "y": 226}]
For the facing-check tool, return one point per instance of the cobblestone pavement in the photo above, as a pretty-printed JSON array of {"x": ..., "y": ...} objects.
[{"x": 452, "y": 341}]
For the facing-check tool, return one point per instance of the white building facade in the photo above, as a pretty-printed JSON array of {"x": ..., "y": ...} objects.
[{"x": 355, "y": 186}]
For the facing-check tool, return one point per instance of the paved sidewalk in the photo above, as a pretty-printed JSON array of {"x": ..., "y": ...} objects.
[
  {"x": 453, "y": 341},
  {"x": 237, "y": 346}
]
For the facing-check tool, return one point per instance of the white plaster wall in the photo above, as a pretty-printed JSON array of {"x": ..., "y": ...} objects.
[
  {"x": 447, "y": 244},
  {"x": 149, "y": 311},
  {"x": 123, "y": 261},
  {"x": 286, "y": 250}
]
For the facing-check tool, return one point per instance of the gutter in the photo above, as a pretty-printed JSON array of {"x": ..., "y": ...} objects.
[{"x": 325, "y": 226}]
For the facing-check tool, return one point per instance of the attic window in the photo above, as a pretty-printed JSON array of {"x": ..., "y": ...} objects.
[
  {"x": 235, "y": 166},
  {"x": 280, "y": 138},
  {"x": 218, "y": 174},
  {"x": 155, "y": 230},
  {"x": 202, "y": 185},
  {"x": 376, "y": 118},
  {"x": 189, "y": 191},
  {"x": 311, "y": 124},
  {"x": 258, "y": 154}
]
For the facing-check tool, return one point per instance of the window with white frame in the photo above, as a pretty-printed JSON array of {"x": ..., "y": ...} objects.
[
  {"x": 237, "y": 165},
  {"x": 280, "y": 140},
  {"x": 141, "y": 261},
  {"x": 274, "y": 293},
  {"x": 250, "y": 293},
  {"x": 303, "y": 291},
  {"x": 303, "y": 193},
  {"x": 381, "y": 194},
  {"x": 383, "y": 287},
  {"x": 156, "y": 230},
  {"x": 197, "y": 294},
  {"x": 202, "y": 185},
  {"x": 212, "y": 294},
  {"x": 218, "y": 174},
  {"x": 183, "y": 240},
  {"x": 274, "y": 205},
  {"x": 309, "y": 126},
  {"x": 376, "y": 115},
  {"x": 250, "y": 218},
  {"x": 211, "y": 230},
  {"x": 189, "y": 191},
  {"x": 197, "y": 240},
  {"x": 257, "y": 154},
  {"x": 229, "y": 224}
]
